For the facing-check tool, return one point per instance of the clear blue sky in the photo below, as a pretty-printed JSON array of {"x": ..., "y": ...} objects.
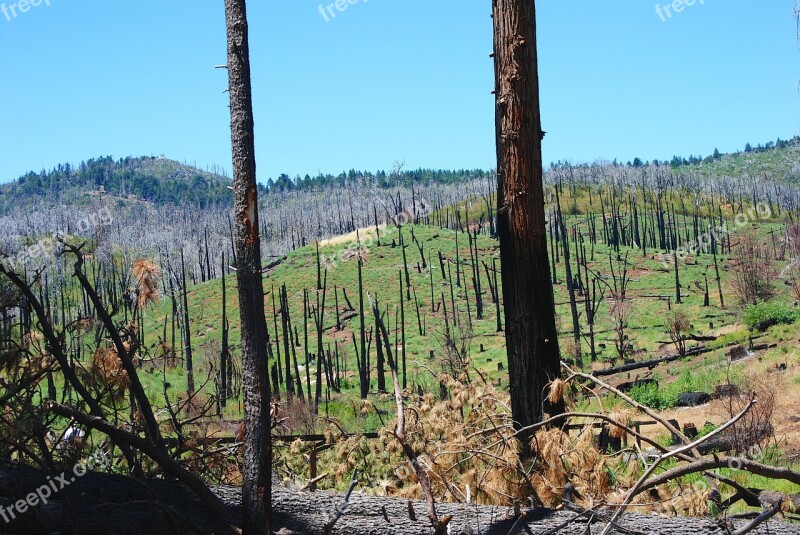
[{"x": 389, "y": 80}]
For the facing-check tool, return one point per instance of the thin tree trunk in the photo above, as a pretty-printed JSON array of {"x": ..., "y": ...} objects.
[
  {"x": 257, "y": 485},
  {"x": 187, "y": 333},
  {"x": 224, "y": 355}
]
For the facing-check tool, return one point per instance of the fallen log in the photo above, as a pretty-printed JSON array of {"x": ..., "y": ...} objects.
[
  {"x": 104, "y": 503},
  {"x": 693, "y": 399},
  {"x": 651, "y": 363}
]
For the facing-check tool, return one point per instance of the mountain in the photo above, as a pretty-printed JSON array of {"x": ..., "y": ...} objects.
[
  {"x": 149, "y": 179},
  {"x": 160, "y": 181}
]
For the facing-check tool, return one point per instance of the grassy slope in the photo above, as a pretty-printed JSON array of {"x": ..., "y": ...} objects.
[
  {"x": 381, "y": 275},
  {"x": 780, "y": 164},
  {"x": 381, "y": 278}
]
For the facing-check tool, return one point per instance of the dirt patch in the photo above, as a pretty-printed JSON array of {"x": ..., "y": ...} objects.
[
  {"x": 352, "y": 237},
  {"x": 728, "y": 329}
]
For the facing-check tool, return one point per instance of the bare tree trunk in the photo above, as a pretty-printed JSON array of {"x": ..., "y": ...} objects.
[
  {"x": 531, "y": 337},
  {"x": 187, "y": 333},
  {"x": 573, "y": 305},
  {"x": 224, "y": 359},
  {"x": 257, "y": 487}
]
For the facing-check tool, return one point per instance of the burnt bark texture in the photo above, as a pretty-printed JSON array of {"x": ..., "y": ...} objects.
[
  {"x": 257, "y": 444},
  {"x": 531, "y": 337},
  {"x": 98, "y": 502}
]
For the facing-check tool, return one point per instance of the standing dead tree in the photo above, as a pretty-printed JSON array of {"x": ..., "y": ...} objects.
[
  {"x": 531, "y": 335},
  {"x": 257, "y": 487},
  {"x": 752, "y": 271}
]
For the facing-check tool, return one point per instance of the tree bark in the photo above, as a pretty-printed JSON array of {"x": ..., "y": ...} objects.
[
  {"x": 256, "y": 490},
  {"x": 294, "y": 512},
  {"x": 531, "y": 337}
]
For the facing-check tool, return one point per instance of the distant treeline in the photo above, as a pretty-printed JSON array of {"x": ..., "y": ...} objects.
[
  {"x": 162, "y": 181},
  {"x": 382, "y": 179},
  {"x": 681, "y": 161}
]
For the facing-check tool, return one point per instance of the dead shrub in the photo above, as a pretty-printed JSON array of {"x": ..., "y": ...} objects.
[
  {"x": 146, "y": 275},
  {"x": 754, "y": 430},
  {"x": 107, "y": 369},
  {"x": 677, "y": 326},
  {"x": 752, "y": 273}
]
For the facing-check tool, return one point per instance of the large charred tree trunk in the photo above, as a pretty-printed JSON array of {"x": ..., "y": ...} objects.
[
  {"x": 257, "y": 485},
  {"x": 142, "y": 505},
  {"x": 531, "y": 337}
]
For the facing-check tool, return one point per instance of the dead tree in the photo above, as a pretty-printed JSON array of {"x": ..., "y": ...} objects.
[
  {"x": 257, "y": 486},
  {"x": 187, "y": 332},
  {"x": 573, "y": 307},
  {"x": 361, "y": 352},
  {"x": 224, "y": 355},
  {"x": 531, "y": 336}
]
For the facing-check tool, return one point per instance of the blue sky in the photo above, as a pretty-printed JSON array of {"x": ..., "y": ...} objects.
[{"x": 388, "y": 80}]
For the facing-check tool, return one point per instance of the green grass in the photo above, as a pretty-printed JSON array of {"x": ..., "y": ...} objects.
[{"x": 651, "y": 290}]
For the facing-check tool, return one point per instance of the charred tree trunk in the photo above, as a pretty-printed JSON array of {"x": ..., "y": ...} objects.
[
  {"x": 379, "y": 361},
  {"x": 224, "y": 356},
  {"x": 297, "y": 512},
  {"x": 320, "y": 321},
  {"x": 362, "y": 354},
  {"x": 187, "y": 332},
  {"x": 573, "y": 306},
  {"x": 531, "y": 336},
  {"x": 257, "y": 486}
]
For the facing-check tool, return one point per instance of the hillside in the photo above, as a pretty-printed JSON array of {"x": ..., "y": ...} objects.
[
  {"x": 438, "y": 339},
  {"x": 776, "y": 160},
  {"x": 154, "y": 180},
  {"x": 161, "y": 181},
  {"x": 434, "y": 283},
  {"x": 451, "y": 357}
]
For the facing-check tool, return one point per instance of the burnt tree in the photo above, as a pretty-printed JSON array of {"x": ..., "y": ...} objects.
[
  {"x": 257, "y": 486},
  {"x": 531, "y": 337}
]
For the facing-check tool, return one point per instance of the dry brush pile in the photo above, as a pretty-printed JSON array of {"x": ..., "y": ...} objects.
[{"x": 465, "y": 443}]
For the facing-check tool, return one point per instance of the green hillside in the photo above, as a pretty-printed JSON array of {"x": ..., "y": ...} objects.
[
  {"x": 779, "y": 160},
  {"x": 652, "y": 293},
  {"x": 151, "y": 179}
]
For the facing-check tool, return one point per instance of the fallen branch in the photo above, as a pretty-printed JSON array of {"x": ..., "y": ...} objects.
[
  {"x": 760, "y": 519},
  {"x": 170, "y": 465},
  {"x": 339, "y": 511},
  {"x": 651, "y": 363},
  {"x": 637, "y": 488},
  {"x": 712, "y": 463}
]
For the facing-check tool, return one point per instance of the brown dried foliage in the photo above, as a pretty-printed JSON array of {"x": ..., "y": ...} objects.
[
  {"x": 108, "y": 370},
  {"x": 146, "y": 275}
]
